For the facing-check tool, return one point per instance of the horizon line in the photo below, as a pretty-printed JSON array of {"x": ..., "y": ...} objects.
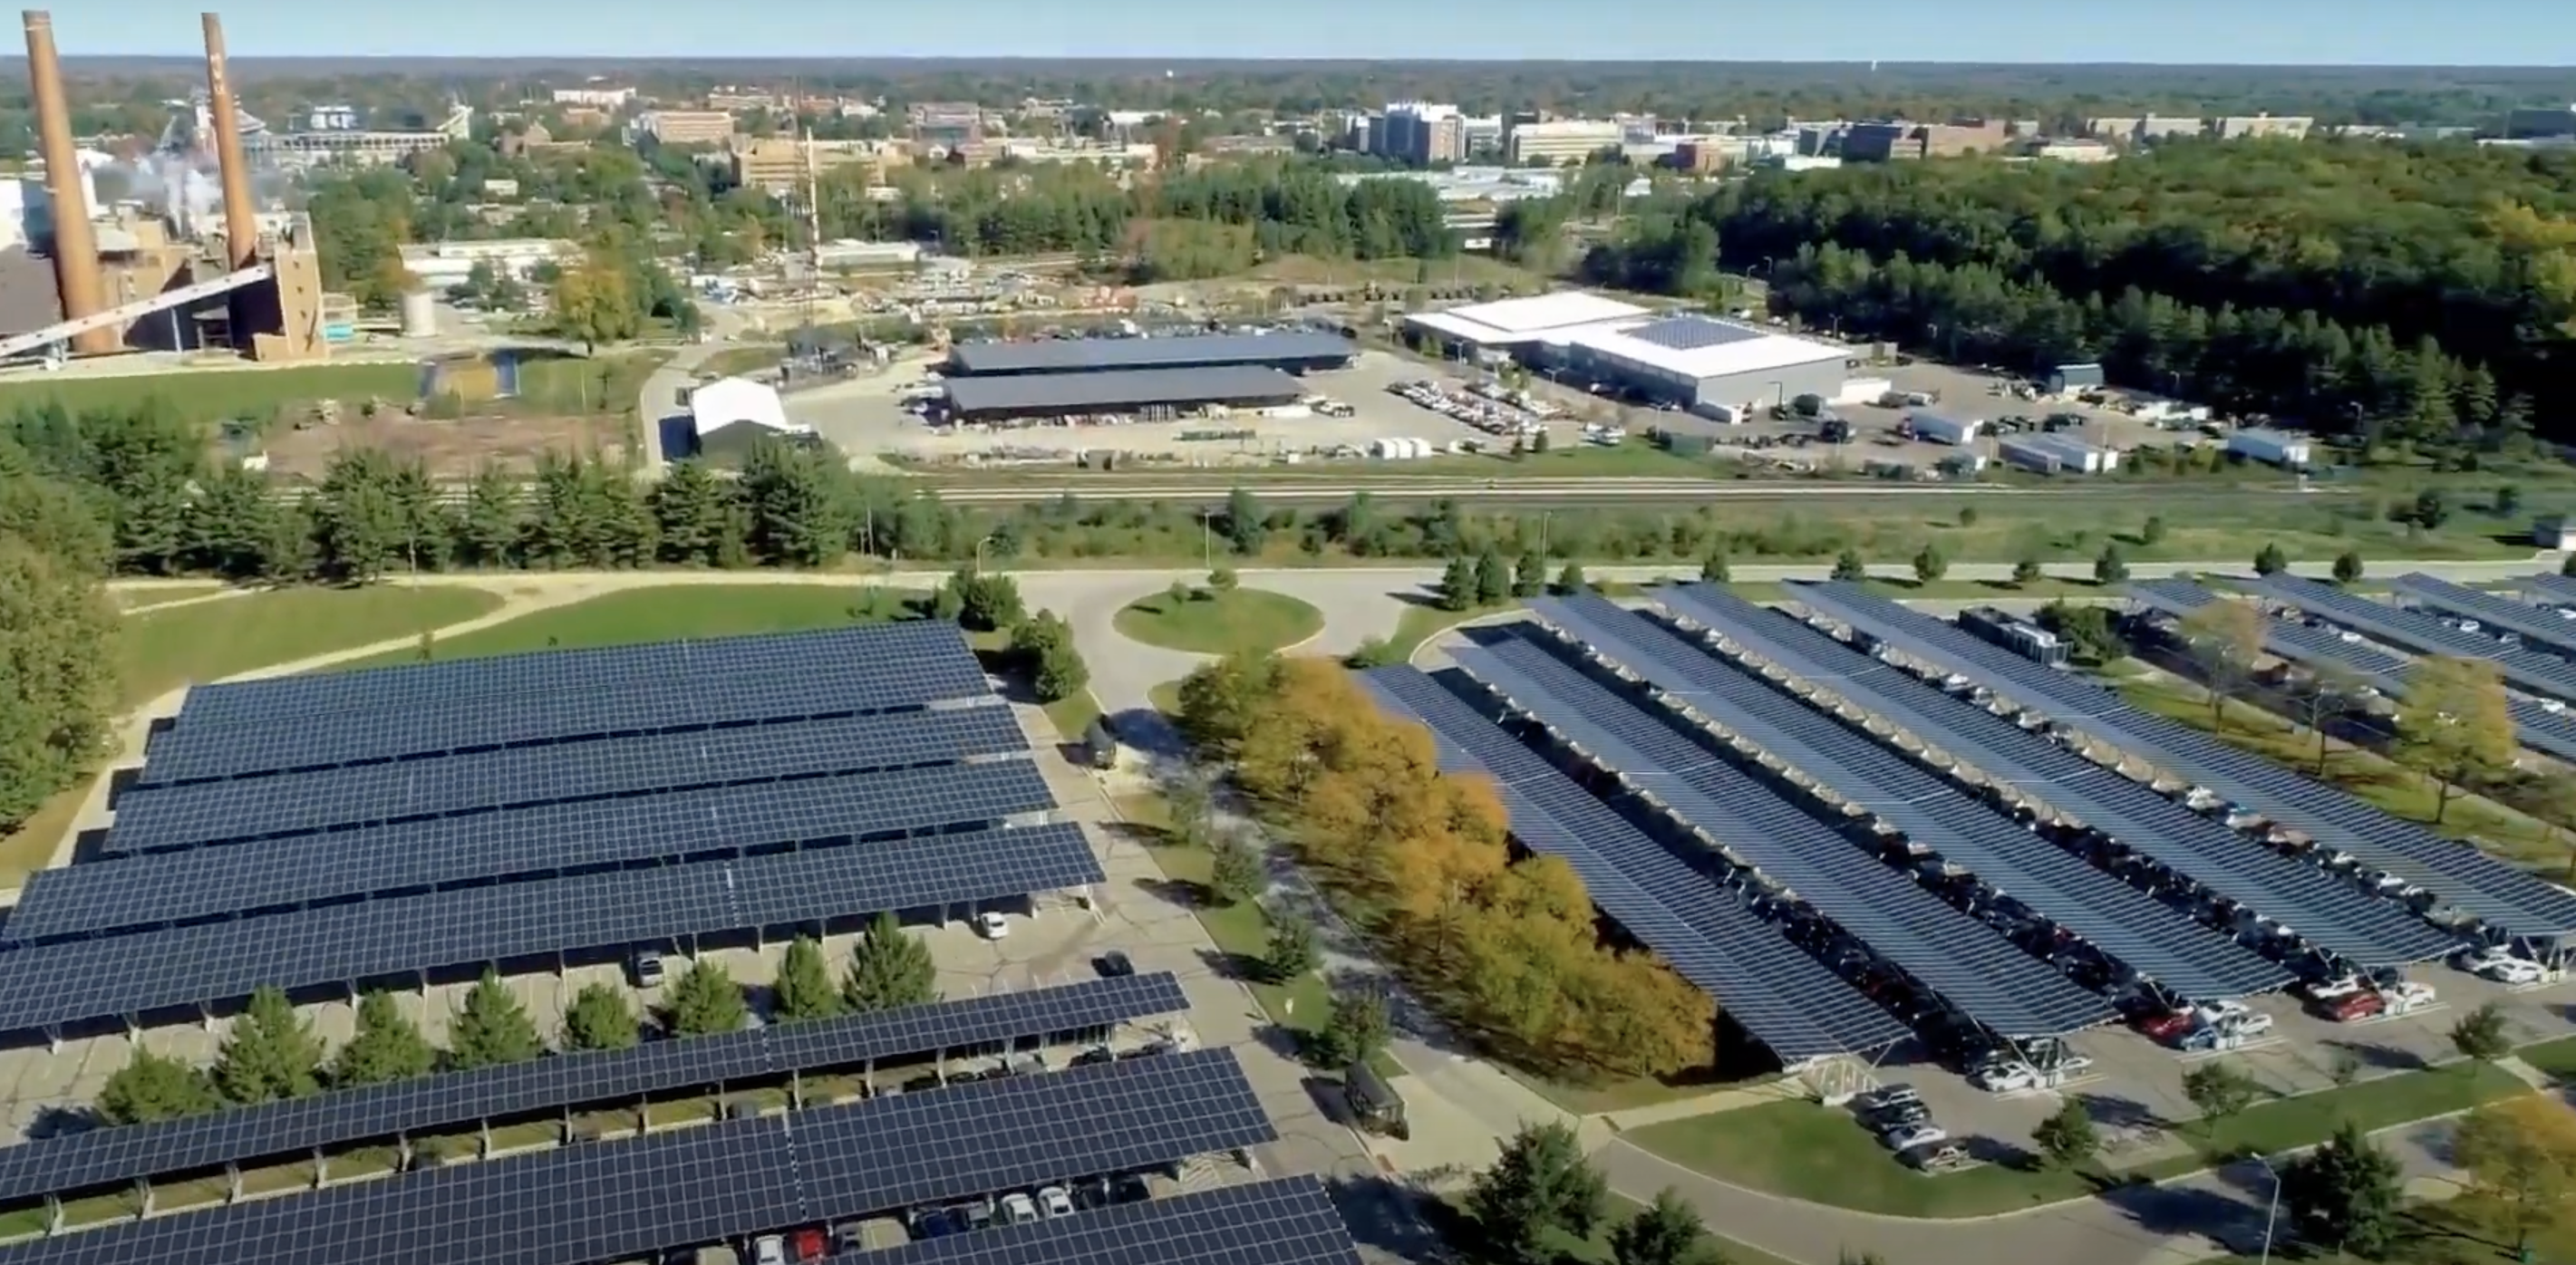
[{"x": 681, "y": 59}]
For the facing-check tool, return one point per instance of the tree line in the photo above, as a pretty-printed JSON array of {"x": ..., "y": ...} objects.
[
  {"x": 270, "y": 1054},
  {"x": 1508, "y": 946}
]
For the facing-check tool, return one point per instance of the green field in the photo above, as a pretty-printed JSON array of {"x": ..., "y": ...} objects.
[
  {"x": 667, "y": 612},
  {"x": 216, "y": 394},
  {"x": 1211, "y": 622},
  {"x": 162, "y": 650}
]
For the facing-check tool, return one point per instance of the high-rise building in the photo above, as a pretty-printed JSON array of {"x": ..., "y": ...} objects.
[{"x": 1419, "y": 132}]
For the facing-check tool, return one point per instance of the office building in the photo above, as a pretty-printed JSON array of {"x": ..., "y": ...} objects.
[
  {"x": 1907, "y": 142},
  {"x": 1561, "y": 141},
  {"x": 2540, "y": 123},
  {"x": 2239, "y": 127},
  {"x": 595, "y": 97},
  {"x": 1419, "y": 132},
  {"x": 687, "y": 127},
  {"x": 777, "y": 164}
]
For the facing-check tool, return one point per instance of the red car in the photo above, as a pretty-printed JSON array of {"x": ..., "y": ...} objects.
[
  {"x": 2168, "y": 1026},
  {"x": 811, "y": 1246},
  {"x": 2361, "y": 1005}
]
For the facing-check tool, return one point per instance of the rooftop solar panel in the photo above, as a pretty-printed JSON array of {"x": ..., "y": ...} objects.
[
  {"x": 177, "y": 887},
  {"x": 2150, "y": 938},
  {"x": 1690, "y": 333},
  {"x": 1122, "y": 389},
  {"x": 718, "y": 1182},
  {"x": 1963, "y": 960},
  {"x": 1058, "y": 354},
  {"x": 1287, "y": 1221},
  {"x": 844, "y": 673},
  {"x": 47, "y": 985},
  {"x": 2459, "y": 874},
  {"x": 152, "y": 819},
  {"x": 103, "y": 1157},
  {"x": 1785, "y": 999},
  {"x": 2329, "y": 913}
]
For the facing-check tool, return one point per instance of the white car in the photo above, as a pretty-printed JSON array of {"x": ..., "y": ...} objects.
[
  {"x": 1057, "y": 1201},
  {"x": 2217, "y": 1013},
  {"x": 2005, "y": 1078},
  {"x": 2072, "y": 1065},
  {"x": 991, "y": 926},
  {"x": 2407, "y": 995},
  {"x": 769, "y": 1249},
  {"x": 1914, "y": 1135},
  {"x": 2339, "y": 986},
  {"x": 2502, "y": 967},
  {"x": 1017, "y": 1209},
  {"x": 1890, "y": 1096}
]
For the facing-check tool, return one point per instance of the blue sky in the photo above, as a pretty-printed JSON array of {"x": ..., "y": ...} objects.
[{"x": 2408, "y": 32}]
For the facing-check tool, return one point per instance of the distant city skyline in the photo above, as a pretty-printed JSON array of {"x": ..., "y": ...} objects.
[{"x": 2275, "y": 32}]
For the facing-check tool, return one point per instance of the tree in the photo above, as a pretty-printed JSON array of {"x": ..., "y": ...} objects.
[
  {"x": 1458, "y": 585},
  {"x": 1541, "y": 1183},
  {"x": 2224, "y": 641},
  {"x": 2152, "y": 532},
  {"x": 593, "y": 304},
  {"x": 2508, "y": 501},
  {"x": 2331, "y": 693},
  {"x": 889, "y": 969},
  {"x": 986, "y": 602},
  {"x": 156, "y": 1087},
  {"x": 2482, "y": 1034},
  {"x": 2455, "y": 726},
  {"x": 386, "y": 1047},
  {"x": 1539, "y": 442},
  {"x": 1529, "y": 577},
  {"x": 2269, "y": 560},
  {"x": 1493, "y": 579},
  {"x": 1665, "y": 1232},
  {"x": 804, "y": 988},
  {"x": 798, "y": 506},
  {"x": 1246, "y": 527},
  {"x": 271, "y": 1053},
  {"x": 57, "y": 634},
  {"x": 706, "y": 1001},
  {"x": 1191, "y": 810},
  {"x": 2567, "y": 567},
  {"x": 1235, "y": 872},
  {"x": 1223, "y": 580},
  {"x": 2430, "y": 510},
  {"x": 2520, "y": 1155},
  {"x": 1929, "y": 565},
  {"x": 2088, "y": 630},
  {"x": 2067, "y": 1136},
  {"x": 2345, "y": 1193},
  {"x": 1714, "y": 569},
  {"x": 492, "y": 1029},
  {"x": 1358, "y": 1026},
  {"x": 1291, "y": 951},
  {"x": 700, "y": 519},
  {"x": 1849, "y": 566},
  {"x": 600, "y": 1018},
  {"x": 2027, "y": 572},
  {"x": 2110, "y": 568},
  {"x": 2219, "y": 1090},
  {"x": 1042, "y": 646},
  {"x": 2347, "y": 567}
]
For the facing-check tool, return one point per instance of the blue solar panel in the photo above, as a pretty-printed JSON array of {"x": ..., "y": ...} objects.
[
  {"x": 117, "y": 976},
  {"x": 2150, "y": 938},
  {"x": 1690, "y": 333},
  {"x": 2457, "y": 873},
  {"x": 173, "y": 887},
  {"x": 2556, "y": 590},
  {"x": 1785, "y": 999},
  {"x": 1958, "y": 957},
  {"x": 388, "y": 713},
  {"x": 1289, "y": 1221},
  {"x": 2546, "y": 675},
  {"x": 2327, "y": 912},
  {"x": 2539, "y": 629}
]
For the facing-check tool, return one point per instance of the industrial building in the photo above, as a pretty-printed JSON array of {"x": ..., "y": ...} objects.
[
  {"x": 1152, "y": 393},
  {"x": 1527, "y": 329},
  {"x": 1697, "y": 362},
  {"x": 1289, "y": 353},
  {"x": 730, "y": 416}
]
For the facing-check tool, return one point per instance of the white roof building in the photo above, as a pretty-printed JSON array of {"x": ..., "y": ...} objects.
[
  {"x": 729, "y": 415},
  {"x": 1543, "y": 318},
  {"x": 1698, "y": 348}
]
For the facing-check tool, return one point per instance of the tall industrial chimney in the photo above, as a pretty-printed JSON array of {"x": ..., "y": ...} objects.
[
  {"x": 76, "y": 274},
  {"x": 241, "y": 228}
]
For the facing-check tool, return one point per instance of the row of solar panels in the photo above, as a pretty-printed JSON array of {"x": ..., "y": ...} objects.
[
  {"x": 2550, "y": 587},
  {"x": 2148, "y": 937},
  {"x": 2538, "y": 727},
  {"x": 2330, "y": 914},
  {"x": 324, "y": 721},
  {"x": 1766, "y": 986},
  {"x": 2499, "y": 895},
  {"x": 69, "y": 1163},
  {"x": 718, "y": 1182},
  {"x": 2542, "y": 629},
  {"x": 2545, "y": 675}
]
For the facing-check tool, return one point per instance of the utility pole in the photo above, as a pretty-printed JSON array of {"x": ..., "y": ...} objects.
[{"x": 813, "y": 222}]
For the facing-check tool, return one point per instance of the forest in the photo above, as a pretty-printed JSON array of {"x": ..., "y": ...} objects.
[{"x": 2416, "y": 292}]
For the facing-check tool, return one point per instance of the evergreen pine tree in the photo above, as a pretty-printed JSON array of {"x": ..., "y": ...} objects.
[
  {"x": 387, "y": 1046},
  {"x": 706, "y": 1001},
  {"x": 804, "y": 984},
  {"x": 492, "y": 1029},
  {"x": 270, "y": 1054},
  {"x": 600, "y": 1018},
  {"x": 154, "y": 1087},
  {"x": 888, "y": 969}
]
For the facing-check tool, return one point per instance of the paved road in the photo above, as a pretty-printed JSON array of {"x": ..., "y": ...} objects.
[{"x": 660, "y": 393}]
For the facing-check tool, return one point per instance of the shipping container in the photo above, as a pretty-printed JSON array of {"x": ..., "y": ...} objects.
[
  {"x": 1932, "y": 428},
  {"x": 1863, "y": 390},
  {"x": 2271, "y": 446}
]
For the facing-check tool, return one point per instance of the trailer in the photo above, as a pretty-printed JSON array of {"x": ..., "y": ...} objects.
[
  {"x": 1933, "y": 428},
  {"x": 2269, "y": 446}
]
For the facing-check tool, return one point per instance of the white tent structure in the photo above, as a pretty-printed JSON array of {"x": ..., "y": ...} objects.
[{"x": 730, "y": 415}]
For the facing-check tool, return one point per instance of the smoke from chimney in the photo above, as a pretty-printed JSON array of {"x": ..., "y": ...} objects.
[
  {"x": 76, "y": 272},
  {"x": 241, "y": 227}
]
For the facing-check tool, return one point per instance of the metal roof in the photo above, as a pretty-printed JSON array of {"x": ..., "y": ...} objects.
[
  {"x": 1128, "y": 388},
  {"x": 1187, "y": 351},
  {"x": 2541, "y": 629}
]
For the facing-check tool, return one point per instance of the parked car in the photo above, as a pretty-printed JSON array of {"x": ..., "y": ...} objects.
[
  {"x": 1113, "y": 965},
  {"x": 1018, "y": 1209},
  {"x": 645, "y": 969},
  {"x": 1912, "y": 1136},
  {"x": 1096, "y": 1054},
  {"x": 2501, "y": 965},
  {"x": 1056, "y": 1201},
  {"x": 1899, "y": 1115},
  {"x": 2005, "y": 1078},
  {"x": 2407, "y": 995},
  {"x": 1886, "y": 1096},
  {"x": 811, "y": 1245},
  {"x": 769, "y": 1249},
  {"x": 2331, "y": 989},
  {"x": 991, "y": 926},
  {"x": 2359, "y": 1006},
  {"x": 2168, "y": 1026}
]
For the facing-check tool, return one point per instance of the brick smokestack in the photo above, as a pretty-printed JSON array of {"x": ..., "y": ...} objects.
[
  {"x": 241, "y": 228},
  {"x": 76, "y": 274}
]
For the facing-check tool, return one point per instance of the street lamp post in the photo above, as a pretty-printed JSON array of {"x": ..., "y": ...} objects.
[
  {"x": 1207, "y": 539},
  {"x": 2272, "y": 1214},
  {"x": 979, "y": 556}
]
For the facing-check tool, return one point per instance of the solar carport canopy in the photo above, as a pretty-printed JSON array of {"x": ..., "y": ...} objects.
[
  {"x": 2460, "y": 875},
  {"x": 331, "y": 719},
  {"x": 1785, "y": 999},
  {"x": 2543, "y": 674},
  {"x": 2150, "y": 938},
  {"x": 1286, "y": 1221},
  {"x": 2534, "y": 625},
  {"x": 46, "y": 985},
  {"x": 711, "y": 1183},
  {"x": 101, "y": 1157},
  {"x": 1193, "y": 351},
  {"x": 1965, "y": 961}
]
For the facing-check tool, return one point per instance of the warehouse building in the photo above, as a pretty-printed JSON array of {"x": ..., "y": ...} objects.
[
  {"x": 1149, "y": 393},
  {"x": 1533, "y": 330},
  {"x": 1699, "y": 363},
  {"x": 1292, "y": 352}
]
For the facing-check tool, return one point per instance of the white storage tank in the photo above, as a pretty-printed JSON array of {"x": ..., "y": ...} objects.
[
  {"x": 419, "y": 314},
  {"x": 2277, "y": 447}
]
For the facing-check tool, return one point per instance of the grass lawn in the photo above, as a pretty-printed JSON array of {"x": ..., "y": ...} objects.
[
  {"x": 30, "y": 847},
  {"x": 633, "y": 616},
  {"x": 740, "y": 360},
  {"x": 212, "y": 395},
  {"x": 1166, "y": 698},
  {"x": 143, "y": 599},
  {"x": 1822, "y": 1154},
  {"x": 1073, "y": 716},
  {"x": 161, "y": 651},
  {"x": 2367, "y": 774},
  {"x": 1220, "y": 623},
  {"x": 1421, "y": 622}
]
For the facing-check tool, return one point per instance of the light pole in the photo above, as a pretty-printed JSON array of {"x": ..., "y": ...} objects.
[
  {"x": 979, "y": 556},
  {"x": 2271, "y": 1215},
  {"x": 1207, "y": 539}
]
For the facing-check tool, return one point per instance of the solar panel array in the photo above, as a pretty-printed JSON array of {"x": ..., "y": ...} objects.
[
  {"x": 1784, "y": 998},
  {"x": 2536, "y": 627},
  {"x": 2541, "y": 674},
  {"x": 2551, "y": 588},
  {"x": 177, "y": 887},
  {"x": 1965, "y": 961},
  {"x": 1286, "y": 1221},
  {"x": 69, "y": 981},
  {"x": 154, "y": 819},
  {"x": 716, "y": 1182},
  {"x": 2329, "y": 913},
  {"x": 2148, "y": 937},
  {"x": 102, "y": 1157},
  {"x": 2459, "y": 874},
  {"x": 1690, "y": 333},
  {"x": 353, "y": 718}
]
